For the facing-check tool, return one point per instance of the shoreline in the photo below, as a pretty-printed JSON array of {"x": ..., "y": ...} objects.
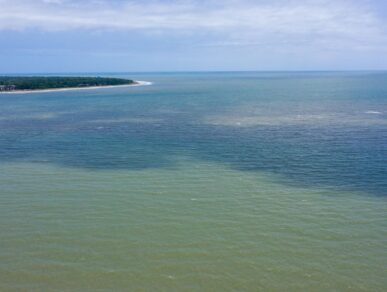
[{"x": 135, "y": 84}]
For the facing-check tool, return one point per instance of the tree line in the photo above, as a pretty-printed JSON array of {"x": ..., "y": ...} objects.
[{"x": 31, "y": 83}]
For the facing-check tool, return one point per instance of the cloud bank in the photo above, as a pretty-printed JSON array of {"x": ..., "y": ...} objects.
[
  {"x": 181, "y": 35},
  {"x": 234, "y": 23}
]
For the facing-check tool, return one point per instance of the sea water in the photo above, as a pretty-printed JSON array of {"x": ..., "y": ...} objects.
[{"x": 199, "y": 182}]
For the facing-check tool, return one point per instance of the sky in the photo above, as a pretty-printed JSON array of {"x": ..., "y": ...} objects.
[{"x": 56, "y": 36}]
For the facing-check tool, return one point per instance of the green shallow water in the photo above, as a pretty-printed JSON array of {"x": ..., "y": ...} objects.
[{"x": 197, "y": 226}]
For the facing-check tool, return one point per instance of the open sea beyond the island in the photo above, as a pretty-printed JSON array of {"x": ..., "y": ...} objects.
[{"x": 199, "y": 182}]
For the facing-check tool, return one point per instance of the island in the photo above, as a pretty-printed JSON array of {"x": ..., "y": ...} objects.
[{"x": 34, "y": 83}]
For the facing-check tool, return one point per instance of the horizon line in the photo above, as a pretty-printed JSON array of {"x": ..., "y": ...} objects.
[{"x": 190, "y": 71}]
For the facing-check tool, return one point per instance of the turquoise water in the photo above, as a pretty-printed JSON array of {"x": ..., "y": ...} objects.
[{"x": 199, "y": 182}]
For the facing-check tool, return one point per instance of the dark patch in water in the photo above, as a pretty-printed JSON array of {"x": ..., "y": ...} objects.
[
  {"x": 341, "y": 157},
  {"x": 350, "y": 157}
]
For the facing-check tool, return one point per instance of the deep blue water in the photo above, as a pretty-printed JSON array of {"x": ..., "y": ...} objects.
[{"x": 326, "y": 129}]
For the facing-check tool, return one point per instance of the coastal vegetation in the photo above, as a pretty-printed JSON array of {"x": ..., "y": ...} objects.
[{"x": 12, "y": 83}]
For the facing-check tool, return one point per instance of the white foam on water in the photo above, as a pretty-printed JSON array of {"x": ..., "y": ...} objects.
[{"x": 139, "y": 83}]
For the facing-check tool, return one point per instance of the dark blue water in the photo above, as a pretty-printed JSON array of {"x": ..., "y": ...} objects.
[{"x": 326, "y": 129}]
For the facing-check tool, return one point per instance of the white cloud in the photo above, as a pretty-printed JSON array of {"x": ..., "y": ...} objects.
[{"x": 326, "y": 22}]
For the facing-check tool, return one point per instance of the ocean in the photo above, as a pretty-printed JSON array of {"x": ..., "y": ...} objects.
[{"x": 233, "y": 181}]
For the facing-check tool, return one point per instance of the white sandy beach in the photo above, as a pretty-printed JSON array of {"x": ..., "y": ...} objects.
[{"x": 137, "y": 83}]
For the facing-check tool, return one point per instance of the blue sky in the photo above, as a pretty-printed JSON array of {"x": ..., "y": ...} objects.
[{"x": 176, "y": 35}]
